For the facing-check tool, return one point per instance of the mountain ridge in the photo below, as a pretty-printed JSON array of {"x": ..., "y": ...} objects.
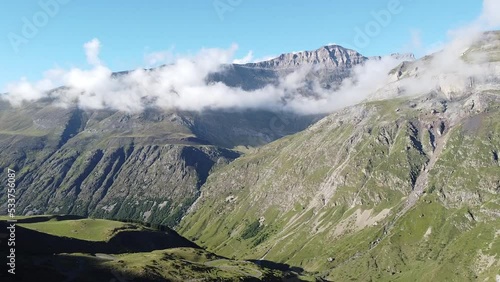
[{"x": 330, "y": 56}]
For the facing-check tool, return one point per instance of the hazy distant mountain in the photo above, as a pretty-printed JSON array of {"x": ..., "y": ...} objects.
[
  {"x": 329, "y": 65},
  {"x": 333, "y": 57}
]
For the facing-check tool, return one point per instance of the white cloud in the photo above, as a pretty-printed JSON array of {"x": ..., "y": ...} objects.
[
  {"x": 491, "y": 14},
  {"x": 182, "y": 84},
  {"x": 157, "y": 58},
  {"x": 449, "y": 69},
  {"x": 365, "y": 80},
  {"x": 24, "y": 90},
  {"x": 92, "y": 49},
  {"x": 247, "y": 59}
]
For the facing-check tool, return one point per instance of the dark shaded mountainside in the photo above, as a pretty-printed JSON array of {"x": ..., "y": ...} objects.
[
  {"x": 146, "y": 166},
  {"x": 105, "y": 163}
]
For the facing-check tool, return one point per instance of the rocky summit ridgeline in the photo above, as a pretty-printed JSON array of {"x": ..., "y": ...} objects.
[{"x": 331, "y": 56}]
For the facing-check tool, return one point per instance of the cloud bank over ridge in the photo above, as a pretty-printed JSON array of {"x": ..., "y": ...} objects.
[{"x": 183, "y": 84}]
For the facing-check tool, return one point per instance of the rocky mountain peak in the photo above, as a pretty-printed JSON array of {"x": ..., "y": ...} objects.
[{"x": 329, "y": 56}]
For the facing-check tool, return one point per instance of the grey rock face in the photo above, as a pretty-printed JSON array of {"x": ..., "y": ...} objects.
[
  {"x": 331, "y": 57},
  {"x": 328, "y": 66}
]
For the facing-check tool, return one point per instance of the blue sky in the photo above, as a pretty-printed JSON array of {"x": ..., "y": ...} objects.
[{"x": 128, "y": 30}]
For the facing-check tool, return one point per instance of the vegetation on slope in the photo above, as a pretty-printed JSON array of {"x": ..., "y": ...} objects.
[
  {"x": 69, "y": 248},
  {"x": 390, "y": 190}
]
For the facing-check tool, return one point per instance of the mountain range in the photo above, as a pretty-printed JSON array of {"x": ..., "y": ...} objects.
[{"x": 403, "y": 186}]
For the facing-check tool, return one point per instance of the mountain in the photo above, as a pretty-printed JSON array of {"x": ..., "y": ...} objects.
[
  {"x": 329, "y": 65},
  {"x": 145, "y": 166},
  {"x": 400, "y": 189},
  {"x": 105, "y": 163},
  {"x": 333, "y": 57}
]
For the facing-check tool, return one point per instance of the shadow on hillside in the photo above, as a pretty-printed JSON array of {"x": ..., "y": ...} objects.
[
  {"x": 34, "y": 242},
  {"x": 68, "y": 268},
  {"x": 45, "y": 257},
  {"x": 278, "y": 265},
  {"x": 49, "y": 217}
]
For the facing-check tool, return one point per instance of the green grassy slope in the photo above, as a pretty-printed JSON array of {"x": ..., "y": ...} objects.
[
  {"x": 60, "y": 248},
  {"x": 85, "y": 229},
  {"x": 341, "y": 198}
]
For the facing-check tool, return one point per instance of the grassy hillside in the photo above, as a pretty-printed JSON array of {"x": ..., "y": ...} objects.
[
  {"x": 85, "y": 229},
  {"x": 68, "y": 248}
]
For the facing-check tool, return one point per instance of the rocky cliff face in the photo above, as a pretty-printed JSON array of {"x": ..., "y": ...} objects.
[
  {"x": 328, "y": 65},
  {"x": 332, "y": 57}
]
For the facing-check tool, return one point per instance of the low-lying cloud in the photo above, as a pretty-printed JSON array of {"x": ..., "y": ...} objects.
[
  {"x": 183, "y": 84},
  {"x": 459, "y": 67}
]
